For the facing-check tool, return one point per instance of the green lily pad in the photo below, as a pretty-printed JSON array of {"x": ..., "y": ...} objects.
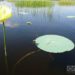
[
  {"x": 70, "y": 16},
  {"x": 54, "y": 43},
  {"x": 29, "y": 23}
]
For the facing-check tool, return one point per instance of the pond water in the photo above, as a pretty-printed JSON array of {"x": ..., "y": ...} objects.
[{"x": 27, "y": 24}]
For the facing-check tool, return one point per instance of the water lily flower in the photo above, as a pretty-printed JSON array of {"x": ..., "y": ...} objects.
[{"x": 5, "y": 13}]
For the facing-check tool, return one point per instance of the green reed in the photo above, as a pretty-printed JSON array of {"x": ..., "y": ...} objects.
[
  {"x": 32, "y": 3},
  {"x": 62, "y": 2}
]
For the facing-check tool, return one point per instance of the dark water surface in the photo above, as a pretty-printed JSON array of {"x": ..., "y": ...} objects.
[{"x": 20, "y": 36}]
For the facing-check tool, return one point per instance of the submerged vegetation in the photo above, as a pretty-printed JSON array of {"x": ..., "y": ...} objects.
[{"x": 32, "y": 3}]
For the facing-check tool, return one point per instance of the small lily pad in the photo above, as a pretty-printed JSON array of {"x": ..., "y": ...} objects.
[
  {"x": 70, "y": 16},
  {"x": 54, "y": 43},
  {"x": 29, "y": 23}
]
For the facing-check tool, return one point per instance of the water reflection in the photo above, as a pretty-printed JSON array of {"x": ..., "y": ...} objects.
[
  {"x": 25, "y": 13},
  {"x": 29, "y": 14}
]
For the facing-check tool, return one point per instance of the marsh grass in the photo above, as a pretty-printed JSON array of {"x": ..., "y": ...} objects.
[
  {"x": 66, "y": 2},
  {"x": 32, "y": 3}
]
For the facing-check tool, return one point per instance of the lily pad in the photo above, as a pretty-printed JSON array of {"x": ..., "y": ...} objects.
[
  {"x": 70, "y": 16},
  {"x": 29, "y": 23},
  {"x": 54, "y": 43}
]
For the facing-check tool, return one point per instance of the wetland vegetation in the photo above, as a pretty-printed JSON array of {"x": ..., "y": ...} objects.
[
  {"x": 66, "y": 2},
  {"x": 32, "y": 3},
  {"x": 41, "y": 3}
]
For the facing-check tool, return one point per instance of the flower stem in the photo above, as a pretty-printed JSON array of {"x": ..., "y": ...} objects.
[
  {"x": 4, "y": 34},
  {"x": 22, "y": 58},
  {"x": 5, "y": 52}
]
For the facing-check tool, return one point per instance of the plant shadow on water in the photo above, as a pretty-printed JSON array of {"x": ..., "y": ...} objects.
[{"x": 41, "y": 21}]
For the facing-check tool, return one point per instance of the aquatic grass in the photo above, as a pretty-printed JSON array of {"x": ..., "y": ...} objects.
[
  {"x": 32, "y": 3},
  {"x": 66, "y": 2}
]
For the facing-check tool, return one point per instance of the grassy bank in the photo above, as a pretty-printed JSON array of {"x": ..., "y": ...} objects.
[
  {"x": 66, "y": 2},
  {"x": 32, "y": 3}
]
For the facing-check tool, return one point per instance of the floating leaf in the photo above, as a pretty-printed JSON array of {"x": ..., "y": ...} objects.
[
  {"x": 29, "y": 23},
  {"x": 54, "y": 43},
  {"x": 70, "y": 16}
]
